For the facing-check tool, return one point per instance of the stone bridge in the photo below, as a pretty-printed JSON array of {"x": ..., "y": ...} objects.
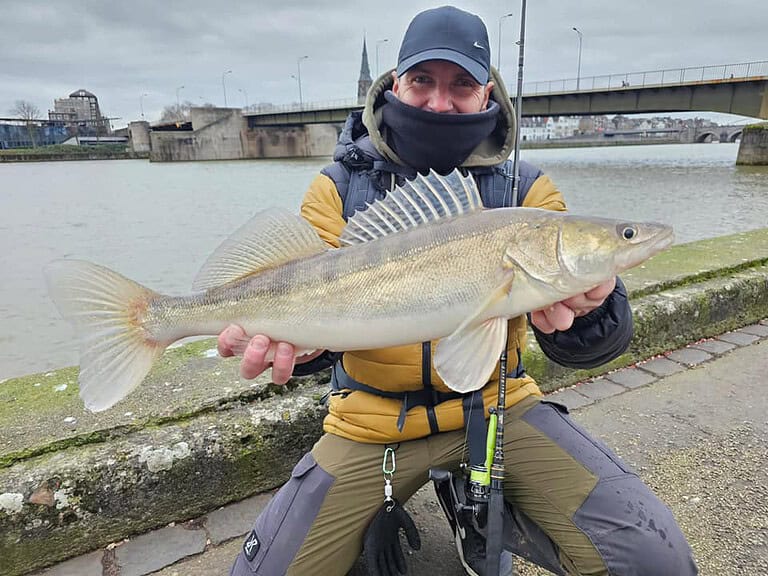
[{"x": 718, "y": 134}]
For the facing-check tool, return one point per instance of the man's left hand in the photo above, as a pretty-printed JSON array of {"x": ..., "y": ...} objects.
[{"x": 560, "y": 315}]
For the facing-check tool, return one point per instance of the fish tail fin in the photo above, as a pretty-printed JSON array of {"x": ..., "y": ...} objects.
[{"x": 105, "y": 310}]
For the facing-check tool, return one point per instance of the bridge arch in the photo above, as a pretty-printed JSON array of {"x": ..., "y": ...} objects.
[{"x": 709, "y": 136}]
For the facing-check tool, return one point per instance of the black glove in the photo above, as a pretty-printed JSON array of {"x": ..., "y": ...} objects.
[{"x": 381, "y": 546}]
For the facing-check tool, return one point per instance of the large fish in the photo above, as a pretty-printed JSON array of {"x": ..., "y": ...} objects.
[{"x": 427, "y": 262}]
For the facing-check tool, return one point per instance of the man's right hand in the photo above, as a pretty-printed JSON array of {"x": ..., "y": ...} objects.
[{"x": 259, "y": 353}]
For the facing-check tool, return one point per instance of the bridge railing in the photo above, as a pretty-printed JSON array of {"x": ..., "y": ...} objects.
[
  {"x": 304, "y": 107},
  {"x": 648, "y": 78},
  {"x": 570, "y": 85}
]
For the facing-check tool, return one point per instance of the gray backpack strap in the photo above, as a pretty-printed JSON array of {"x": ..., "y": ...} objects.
[
  {"x": 340, "y": 175},
  {"x": 528, "y": 174},
  {"x": 361, "y": 192},
  {"x": 356, "y": 188},
  {"x": 495, "y": 185}
]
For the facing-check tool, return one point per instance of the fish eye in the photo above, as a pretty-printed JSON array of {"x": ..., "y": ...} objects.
[{"x": 628, "y": 232}]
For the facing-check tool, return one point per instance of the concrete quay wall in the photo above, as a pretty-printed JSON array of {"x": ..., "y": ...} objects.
[
  {"x": 195, "y": 436},
  {"x": 215, "y": 135},
  {"x": 223, "y": 134}
]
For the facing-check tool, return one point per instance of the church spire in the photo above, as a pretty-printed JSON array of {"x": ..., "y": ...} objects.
[{"x": 365, "y": 81}]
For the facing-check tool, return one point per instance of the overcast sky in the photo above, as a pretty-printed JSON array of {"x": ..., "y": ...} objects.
[{"x": 120, "y": 50}]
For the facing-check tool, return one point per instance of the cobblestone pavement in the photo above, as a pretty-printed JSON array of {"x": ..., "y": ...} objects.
[{"x": 692, "y": 422}]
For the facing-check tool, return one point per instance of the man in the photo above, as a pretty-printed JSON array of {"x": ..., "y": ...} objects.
[{"x": 576, "y": 507}]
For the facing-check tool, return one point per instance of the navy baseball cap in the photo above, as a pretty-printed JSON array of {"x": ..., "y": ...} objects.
[{"x": 447, "y": 33}]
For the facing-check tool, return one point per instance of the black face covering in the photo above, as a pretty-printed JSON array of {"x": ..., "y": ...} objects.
[{"x": 425, "y": 140}]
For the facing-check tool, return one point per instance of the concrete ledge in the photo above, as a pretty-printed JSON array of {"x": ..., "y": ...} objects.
[
  {"x": 79, "y": 498},
  {"x": 195, "y": 437}
]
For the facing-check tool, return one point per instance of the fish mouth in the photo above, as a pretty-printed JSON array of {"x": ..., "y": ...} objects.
[
  {"x": 664, "y": 239},
  {"x": 660, "y": 241}
]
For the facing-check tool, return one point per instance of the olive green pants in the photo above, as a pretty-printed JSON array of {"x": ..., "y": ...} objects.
[{"x": 594, "y": 514}]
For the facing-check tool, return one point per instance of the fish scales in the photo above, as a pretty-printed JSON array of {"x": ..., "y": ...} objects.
[{"x": 390, "y": 286}]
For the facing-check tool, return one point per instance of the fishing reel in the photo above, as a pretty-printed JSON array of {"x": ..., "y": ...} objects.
[{"x": 463, "y": 500}]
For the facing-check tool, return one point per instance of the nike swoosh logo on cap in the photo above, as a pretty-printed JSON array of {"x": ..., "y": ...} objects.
[{"x": 478, "y": 45}]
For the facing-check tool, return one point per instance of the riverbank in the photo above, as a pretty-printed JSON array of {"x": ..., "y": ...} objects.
[
  {"x": 109, "y": 152},
  {"x": 195, "y": 436},
  {"x": 595, "y": 142},
  {"x": 62, "y": 152}
]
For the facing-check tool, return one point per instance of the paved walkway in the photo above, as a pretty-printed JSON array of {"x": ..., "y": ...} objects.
[{"x": 693, "y": 423}]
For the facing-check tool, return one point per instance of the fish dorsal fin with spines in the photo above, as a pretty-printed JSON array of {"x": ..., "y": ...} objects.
[
  {"x": 421, "y": 200},
  {"x": 270, "y": 238}
]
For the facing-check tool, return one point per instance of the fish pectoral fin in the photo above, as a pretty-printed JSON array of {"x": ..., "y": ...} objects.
[{"x": 466, "y": 359}]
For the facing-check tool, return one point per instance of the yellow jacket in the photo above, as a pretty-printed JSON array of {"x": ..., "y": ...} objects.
[{"x": 366, "y": 417}]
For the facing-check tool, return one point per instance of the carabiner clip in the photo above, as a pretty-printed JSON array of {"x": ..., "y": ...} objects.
[{"x": 388, "y": 465}]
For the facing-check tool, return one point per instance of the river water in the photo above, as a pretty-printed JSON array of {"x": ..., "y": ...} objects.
[{"x": 157, "y": 223}]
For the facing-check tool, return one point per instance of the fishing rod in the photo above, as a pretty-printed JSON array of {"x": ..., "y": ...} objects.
[{"x": 496, "y": 505}]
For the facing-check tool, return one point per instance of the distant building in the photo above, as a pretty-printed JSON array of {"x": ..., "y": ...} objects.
[
  {"x": 533, "y": 128},
  {"x": 77, "y": 116},
  {"x": 80, "y": 109},
  {"x": 548, "y": 127},
  {"x": 20, "y": 134},
  {"x": 364, "y": 82}
]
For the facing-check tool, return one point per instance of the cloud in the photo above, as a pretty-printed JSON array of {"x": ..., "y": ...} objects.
[{"x": 120, "y": 50}]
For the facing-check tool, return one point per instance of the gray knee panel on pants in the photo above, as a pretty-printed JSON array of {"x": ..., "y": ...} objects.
[
  {"x": 633, "y": 531},
  {"x": 283, "y": 525}
]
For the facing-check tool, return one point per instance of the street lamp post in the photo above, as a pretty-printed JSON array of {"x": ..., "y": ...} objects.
[
  {"x": 141, "y": 104},
  {"x": 298, "y": 78},
  {"x": 498, "y": 56},
  {"x": 379, "y": 43},
  {"x": 245, "y": 97},
  {"x": 178, "y": 103},
  {"x": 224, "y": 86},
  {"x": 578, "y": 72}
]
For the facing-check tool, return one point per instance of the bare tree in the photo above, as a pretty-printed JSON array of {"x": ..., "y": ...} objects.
[
  {"x": 176, "y": 112},
  {"x": 27, "y": 112},
  {"x": 180, "y": 112}
]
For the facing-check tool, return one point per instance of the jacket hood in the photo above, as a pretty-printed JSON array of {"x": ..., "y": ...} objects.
[{"x": 492, "y": 151}]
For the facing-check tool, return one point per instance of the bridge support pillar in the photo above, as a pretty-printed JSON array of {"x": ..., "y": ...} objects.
[
  {"x": 290, "y": 141},
  {"x": 753, "y": 149},
  {"x": 139, "y": 137}
]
